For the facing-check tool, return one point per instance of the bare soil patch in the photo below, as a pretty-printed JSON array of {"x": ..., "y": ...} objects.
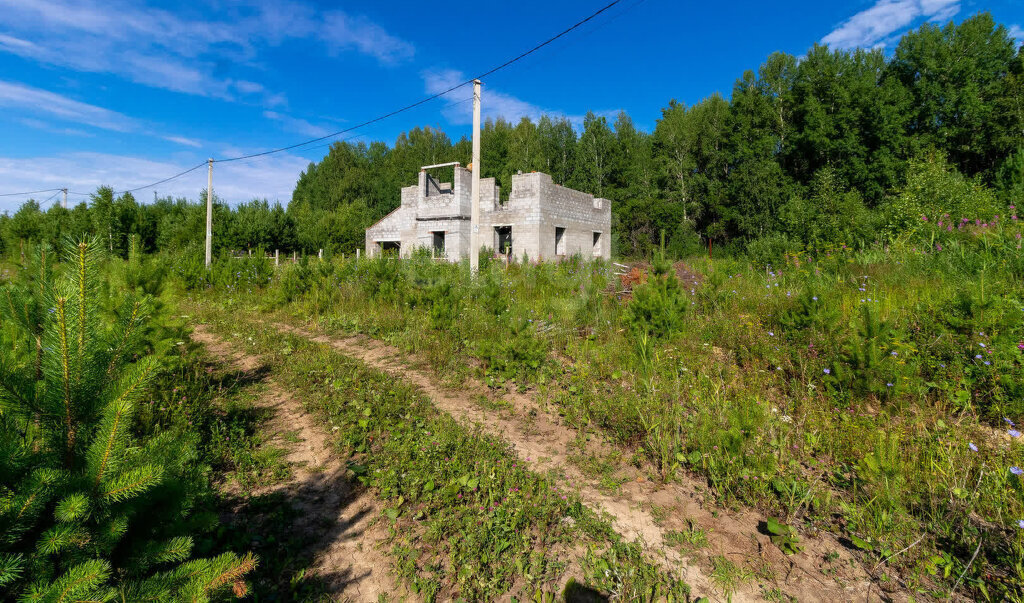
[
  {"x": 336, "y": 517},
  {"x": 640, "y": 510}
]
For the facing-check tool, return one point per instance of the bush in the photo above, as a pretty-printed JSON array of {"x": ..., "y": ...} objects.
[
  {"x": 936, "y": 190},
  {"x": 89, "y": 508},
  {"x": 381, "y": 278},
  {"x": 770, "y": 250},
  {"x": 831, "y": 217},
  {"x": 658, "y": 305},
  {"x": 293, "y": 280},
  {"x": 519, "y": 356}
]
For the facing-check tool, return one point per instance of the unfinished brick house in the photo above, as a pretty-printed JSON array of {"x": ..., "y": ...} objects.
[{"x": 541, "y": 219}]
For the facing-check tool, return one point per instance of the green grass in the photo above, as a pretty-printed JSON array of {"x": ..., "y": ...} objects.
[
  {"x": 237, "y": 441},
  {"x": 691, "y": 539},
  {"x": 840, "y": 391},
  {"x": 466, "y": 517},
  {"x": 219, "y": 403},
  {"x": 729, "y": 576}
]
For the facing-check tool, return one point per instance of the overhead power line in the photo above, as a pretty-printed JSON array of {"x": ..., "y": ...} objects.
[
  {"x": 152, "y": 184},
  {"x": 433, "y": 96},
  {"x": 47, "y": 190},
  {"x": 449, "y": 90}
]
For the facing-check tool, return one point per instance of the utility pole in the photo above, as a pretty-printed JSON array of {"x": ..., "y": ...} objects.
[
  {"x": 64, "y": 203},
  {"x": 209, "y": 213},
  {"x": 474, "y": 216}
]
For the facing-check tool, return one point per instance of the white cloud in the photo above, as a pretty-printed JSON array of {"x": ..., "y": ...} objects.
[
  {"x": 874, "y": 26},
  {"x": 23, "y": 98},
  {"x": 19, "y": 46},
  {"x": 1017, "y": 32},
  {"x": 494, "y": 104},
  {"x": 182, "y": 140},
  {"x": 295, "y": 125},
  {"x": 270, "y": 177},
  {"x": 38, "y": 124},
  {"x": 20, "y": 96},
  {"x": 341, "y": 31},
  {"x": 196, "y": 55}
]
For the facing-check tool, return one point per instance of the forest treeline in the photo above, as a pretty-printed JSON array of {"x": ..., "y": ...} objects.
[{"x": 833, "y": 148}]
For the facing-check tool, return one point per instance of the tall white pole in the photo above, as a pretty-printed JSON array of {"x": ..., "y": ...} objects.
[
  {"x": 209, "y": 213},
  {"x": 474, "y": 218},
  {"x": 64, "y": 203}
]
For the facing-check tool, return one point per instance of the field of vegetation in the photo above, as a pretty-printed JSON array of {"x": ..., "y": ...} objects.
[
  {"x": 828, "y": 406},
  {"x": 873, "y": 394}
]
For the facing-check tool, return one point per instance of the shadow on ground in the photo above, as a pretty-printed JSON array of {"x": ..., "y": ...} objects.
[{"x": 288, "y": 525}]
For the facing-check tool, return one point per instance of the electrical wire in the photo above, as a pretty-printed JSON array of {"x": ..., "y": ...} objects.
[
  {"x": 431, "y": 97},
  {"x": 178, "y": 175},
  {"x": 578, "y": 39},
  {"x": 330, "y": 144},
  {"x": 451, "y": 89},
  {"x": 30, "y": 192}
]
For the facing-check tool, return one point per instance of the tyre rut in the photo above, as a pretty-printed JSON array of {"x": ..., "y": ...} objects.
[
  {"x": 540, "y": 440},
  {"x": 336, "y": 518}
]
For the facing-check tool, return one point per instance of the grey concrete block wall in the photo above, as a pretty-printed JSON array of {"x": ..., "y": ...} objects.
[
  {"x": 536, "y": 207},
  {"x": 580, "y": 214}
]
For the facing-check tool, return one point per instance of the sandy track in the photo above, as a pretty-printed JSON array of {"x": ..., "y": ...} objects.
[
  {"x": 542, "y": 441},
  {"x": 336, "y": 518}
]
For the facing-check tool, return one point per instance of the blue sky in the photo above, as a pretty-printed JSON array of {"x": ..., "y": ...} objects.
[{"x": 125, "y": 93}]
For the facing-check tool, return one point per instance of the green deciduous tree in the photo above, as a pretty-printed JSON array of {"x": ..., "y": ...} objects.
[{"x": 961, "y": 76}]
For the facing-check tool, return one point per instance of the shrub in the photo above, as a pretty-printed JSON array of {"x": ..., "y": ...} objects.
[
  {"x": 831, "y": 216},
  {"x": 934, "y": 190},
  {"x": 381, "y": 278},
  {"x": 867, "y": 366},
  {"x": 1010, "y": 178},
  {"x": 294, "y": 280},
  {"x": 810, "y": 311},
  {"x": 771, "y": 249},
  {"x": 519, "y": 356},
  {"x": 89, "y": 509},
  {"x": 658, "y": 305}
]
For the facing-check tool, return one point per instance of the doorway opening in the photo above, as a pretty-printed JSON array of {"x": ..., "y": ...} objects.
[
  {"x": 559, "y": 240},
  {"x": 503, "y": 238}
]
